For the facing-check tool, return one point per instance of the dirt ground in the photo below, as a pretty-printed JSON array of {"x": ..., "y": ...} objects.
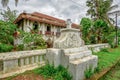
[{"x": 26, "y": 76}]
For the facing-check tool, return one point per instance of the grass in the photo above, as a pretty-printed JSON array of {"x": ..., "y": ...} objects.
[
  {"x": 107, "y": 58},
  {"x": 114, "y": 74}
]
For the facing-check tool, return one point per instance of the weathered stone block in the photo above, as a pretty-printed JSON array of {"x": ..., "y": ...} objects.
[
  {"x": 22, "y": 62},
  {"x": 10, "y": 65},
  {"x": 26, "y": 61},
  {"x": 78, "y": 67},
  {"x": 54, "y": 56}
]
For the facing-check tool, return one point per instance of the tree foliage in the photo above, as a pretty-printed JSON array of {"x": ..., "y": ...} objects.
[
  {"x": 8, "y": 15},
  {"x": 32, "y": 40},
  {"x": 97, "y": 31},
  {"x": 98, "y": 9},
  {"x": 86, "y": 25},
  {"x": 6, "y": 36},
  {"x": 101, "y": 28},
  {"x": 6, "y": 32}
]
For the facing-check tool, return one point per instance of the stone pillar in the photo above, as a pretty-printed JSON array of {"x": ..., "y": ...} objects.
[
  {"x": 43, "y": 28},
  {"x": 26, "y": 61},
  {"x": 54, "y": 30},
  {"x": 68, "y": 23},
  {"x": 24, "y": 24},
  {"x": 37, "y": 59},
  {"x": 21, "y": 62}
]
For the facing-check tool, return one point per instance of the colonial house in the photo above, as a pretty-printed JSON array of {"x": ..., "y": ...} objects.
[{"x": 47, "y": 26}]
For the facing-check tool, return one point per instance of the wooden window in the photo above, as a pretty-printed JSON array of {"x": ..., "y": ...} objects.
[
  {"x": 35, "y": 26},
  {"x": 48, "y": 28}
]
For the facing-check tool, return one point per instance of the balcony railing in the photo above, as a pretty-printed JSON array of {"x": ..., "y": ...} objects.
[{"x": 49, "y": 33}]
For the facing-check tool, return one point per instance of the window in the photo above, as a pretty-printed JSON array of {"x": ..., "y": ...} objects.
[
  {"x": 48, "y": 28},
  {"x": 58, "y": 29},
  {"x": 35, "y": 26}
]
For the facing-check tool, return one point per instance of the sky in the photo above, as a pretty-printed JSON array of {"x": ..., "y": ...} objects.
[{"x": 63, "y": 9}]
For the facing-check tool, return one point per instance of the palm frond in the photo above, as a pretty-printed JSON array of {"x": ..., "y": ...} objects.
[{"x": 113, "y": 7}]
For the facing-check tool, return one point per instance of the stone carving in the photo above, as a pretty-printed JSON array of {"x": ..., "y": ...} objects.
[{"x": 69, "y": 38}]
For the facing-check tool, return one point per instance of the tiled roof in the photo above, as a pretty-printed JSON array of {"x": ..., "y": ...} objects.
[{"x": 43, "y": 18}]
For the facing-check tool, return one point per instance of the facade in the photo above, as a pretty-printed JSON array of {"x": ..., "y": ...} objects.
[{"x": 49, "y": 27}]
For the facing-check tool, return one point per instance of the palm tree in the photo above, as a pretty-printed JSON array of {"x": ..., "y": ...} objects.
[
  {"x": 106, "y": 9},
  {"x": 5, "y": 2},
  {"x": 98, "y": 9}
]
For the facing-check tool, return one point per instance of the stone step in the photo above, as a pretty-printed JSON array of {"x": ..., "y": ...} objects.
[
  {"x": 74, "y": 56},
  {"x": 80, "y": 60},
  {"x": 75, "y": 50},
  {"x": 78, "y": 67}
]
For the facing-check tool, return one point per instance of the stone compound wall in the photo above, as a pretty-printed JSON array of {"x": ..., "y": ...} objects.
[
  {"x": 97, "y": 47},
  {"x": 17, "y": 62}
]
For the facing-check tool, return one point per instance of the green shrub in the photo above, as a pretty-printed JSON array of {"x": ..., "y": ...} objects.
[
  {"x": 58, "y": 76},
  {"x": 104, "y": 50},
  {"x": 58, "y": 73},
  {"x": 32, "y": 41},
  {"x": 5, "y": 47},
  {"x": 20, "y": 47},
  {"x": 63, "y": 71},
  {"x": 6, "y": 32},
  {"x": 97, "y": 70},
  {"x": 111, "y": 39},
  {"x": 88, "y": 73},
  {"x": 46, "y": 71}
]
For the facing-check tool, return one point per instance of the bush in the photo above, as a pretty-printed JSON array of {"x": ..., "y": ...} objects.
[
  {"x": 5, "y": 48},
  {"x": 97, "y": 70},
  {"x": 32, "y": 41},
  {"x": 6, "y": 32},
  {"x": 88, "y": 73},
  {"x": 58, "y": 73},
  {"x": 104, "y": 50},
  {"x": 111, "y": 39},
  {"x": 20, "y": 47}
]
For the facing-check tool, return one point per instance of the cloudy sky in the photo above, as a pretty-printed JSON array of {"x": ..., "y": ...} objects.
[{"x": 64, "y": 9}]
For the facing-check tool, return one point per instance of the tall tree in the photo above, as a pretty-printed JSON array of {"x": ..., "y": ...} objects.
[
  {"x": 98, "y": 9},
  {"x": 100, "y": 28},
  {"x": 86, "y": 25},
  {"x": 8, "y": 15}
]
